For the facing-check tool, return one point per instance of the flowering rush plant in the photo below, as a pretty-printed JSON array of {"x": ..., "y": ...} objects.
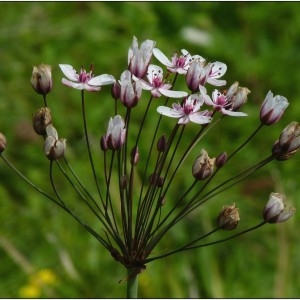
[{"x": 133, "y": 201}]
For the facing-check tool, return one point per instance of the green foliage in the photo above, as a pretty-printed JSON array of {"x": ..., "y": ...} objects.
[{"x": 258, "y": 41}]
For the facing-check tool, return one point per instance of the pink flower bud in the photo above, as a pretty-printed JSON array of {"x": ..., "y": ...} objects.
[
  {"x": 139, "y": 58},
  {"x": 288, "y": 143},
  {"x": 41, "y": 79},
  {"x": 116, "y": 133},
  {"x": 275, "y": 210},
  {"x": 54, "y": 148},
  {"x": 272, "y": 108}
]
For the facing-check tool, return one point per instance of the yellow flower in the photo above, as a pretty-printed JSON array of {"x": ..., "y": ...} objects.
[{"x": 30, "y": 291}]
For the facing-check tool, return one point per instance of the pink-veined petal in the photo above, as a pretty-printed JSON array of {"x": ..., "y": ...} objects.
[
  {"x": 103, "y": 79},
  {"x": 69, "y": 72},
  {"x": 184, "y": 120}
]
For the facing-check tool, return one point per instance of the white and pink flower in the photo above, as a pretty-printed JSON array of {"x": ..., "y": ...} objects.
[
  {"x": 84, "y": 80},
  {"x": 188, "y": 111}
]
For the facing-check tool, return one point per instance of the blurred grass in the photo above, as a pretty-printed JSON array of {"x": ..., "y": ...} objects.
[{"x": 260, "y": 44}]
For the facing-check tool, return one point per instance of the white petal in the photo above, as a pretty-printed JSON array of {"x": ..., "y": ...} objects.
[
  {"x": 153, "y": 69},
  {"x": 233, "y": 113},
  {"x": 199, "y": 118},
  {"x": 69, "y": 72},
  {"x": 173, "y": 94},
  {"x": 49, "y": 143},
  {"x": 161, "y": 57},
  {"x": 51, "y": 131},
  {"x": 169, "y": 112},
  {"x": 103, "y": 79},
  {"x": 218, "y": 69},
  {"x": 216, "y": 82}
]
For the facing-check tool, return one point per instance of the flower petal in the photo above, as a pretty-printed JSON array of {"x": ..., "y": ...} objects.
[
  {"x": 100, "y": 80},
  {"x": 233, "y": 113},
  {"x": 173, "y": 94},
  {"x": 161, "y": 57},
  {"x": 199, "y": 118},
  {"x": 69, "y": 72},
  {"x": 169, "y": 112}
]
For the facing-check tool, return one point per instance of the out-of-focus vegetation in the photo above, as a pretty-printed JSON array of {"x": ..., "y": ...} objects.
[{"x": 43, "y": 252}]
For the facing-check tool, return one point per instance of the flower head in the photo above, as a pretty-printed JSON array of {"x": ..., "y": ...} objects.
[
  {"x": 220, "y": 102},
  {"x": 139, "y": 58},
  {"x": 272, "y": 108},
  {"x": 188, "y": 111},
  {"x": 84, "y": 80},
  {"x": 116, "y": 133},
  {"x": 275, "y": 210},
  {"x": 54, "y": 148},
  {"x": 156, "y": 84},
  {"x": 41, "y": 79},
  {"x": 178, "y": 64}
]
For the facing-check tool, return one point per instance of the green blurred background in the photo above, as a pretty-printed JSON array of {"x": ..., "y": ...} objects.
[{"x": 41, "y": 245}]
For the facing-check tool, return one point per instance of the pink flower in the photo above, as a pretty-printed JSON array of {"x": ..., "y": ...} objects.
[
  {"x": 188, "y": 111},
  {"x": 116, "y": 133},
  {"x": 84, "y": 80},
  {"x": 139, "y": 59},
  {"x": 156, "y": 84},
  {"x": 272, "y": 108},
  {"x": 275, "y": 210},
  {"x": 220, "y": 103},
  {"x": 178, "y": 64}
]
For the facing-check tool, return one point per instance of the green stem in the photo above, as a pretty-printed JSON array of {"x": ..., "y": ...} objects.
[{"x": 132, "y": 283}]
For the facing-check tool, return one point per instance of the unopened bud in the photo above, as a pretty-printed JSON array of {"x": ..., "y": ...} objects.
[
  {"x": 41, "y": 119},
  {"x": 289, "y": 139},
  {"x": 161, "y": 144},
  {"x": 54, "y": 148},
  {"x": 41, "y": 79},
  {"x": 135, "y": 156},
  {"x": 275, "y": 210},
  {"x": 203, "y": 166},
  {"x": 124, "y": 182},
  {"x": 156, "y": 180},
  {"x": 272, "y": 108},
  {"x": 288, "y": 142},
  {"x": 103, "y": 143},
  {"x": 116, "y": 90},
  {"x": 229, "y": 217},
  {"x": 2, "y": 142},
  {"x": 237, "y": 95},
  {"x": 221, "y": 160}
]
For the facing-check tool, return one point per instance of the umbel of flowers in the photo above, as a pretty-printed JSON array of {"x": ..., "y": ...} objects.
[{"x": 132, "y": 203}]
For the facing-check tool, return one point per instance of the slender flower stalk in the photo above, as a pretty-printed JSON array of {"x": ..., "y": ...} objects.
[{"x": 143, "y": 190}]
